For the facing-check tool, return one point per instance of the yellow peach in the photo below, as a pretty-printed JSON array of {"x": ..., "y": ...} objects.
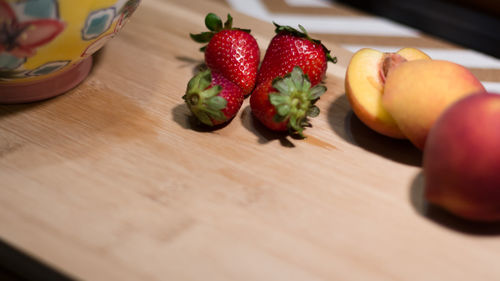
[
  {"x": 364, "y": 85},
  {"x": 417, "y": 92}
]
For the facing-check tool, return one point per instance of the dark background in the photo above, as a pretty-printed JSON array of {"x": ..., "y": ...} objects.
[{"x": 474, "y": 24}]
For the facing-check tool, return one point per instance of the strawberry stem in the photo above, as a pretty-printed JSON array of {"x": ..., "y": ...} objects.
[
  {"x": 203, "y": 100},
  {"x": 214, "y": 25},
  {"x": 295, "y": 100},
  {"x": 213, "y": 22}
]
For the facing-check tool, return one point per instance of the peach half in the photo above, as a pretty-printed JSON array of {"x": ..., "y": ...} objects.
[
  {"x": 417, "y": 92},
  {"x": 365, "y": 82}
]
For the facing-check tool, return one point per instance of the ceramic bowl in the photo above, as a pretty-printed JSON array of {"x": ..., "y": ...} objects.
[{"x": 46, "y": 46}]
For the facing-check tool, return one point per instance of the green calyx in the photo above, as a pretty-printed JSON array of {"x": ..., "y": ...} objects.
[
  {"x": 295, "y": 100},
  {"x": 203, "y": 100},
  {"x": 303, "y": 34},
  {"x": 214, "y": 25}
]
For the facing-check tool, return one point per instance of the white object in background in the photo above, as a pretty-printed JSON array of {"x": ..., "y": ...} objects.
[
  {"x": 309, "y": 3},
  {"x": 326, "y": 24}
]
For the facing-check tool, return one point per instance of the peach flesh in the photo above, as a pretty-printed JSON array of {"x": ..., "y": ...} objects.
[
  {"x": 363, "y": 90},
  {"x": 364, "y": 85},
  {"x": 389, "y": 62}
]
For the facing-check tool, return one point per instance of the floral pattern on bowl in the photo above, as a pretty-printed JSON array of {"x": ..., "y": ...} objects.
[{"x": 38, "y": 38}]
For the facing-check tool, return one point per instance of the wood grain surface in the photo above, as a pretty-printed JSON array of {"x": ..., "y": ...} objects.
[{"x": 114, "y": 181}]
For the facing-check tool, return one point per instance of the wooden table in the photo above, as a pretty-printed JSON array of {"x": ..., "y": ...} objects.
[{"x": 114, "y": 181}]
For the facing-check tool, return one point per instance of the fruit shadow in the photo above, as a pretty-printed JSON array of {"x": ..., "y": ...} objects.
[
  {"x": 196, "y": 64},
  {"x": 443, "y": 217},
  {"x": 264, "y": 135},
  {"x": 180, "y": 113},
  {"x": 182, "y": 116},
  {"x": 345, "y": 123}
]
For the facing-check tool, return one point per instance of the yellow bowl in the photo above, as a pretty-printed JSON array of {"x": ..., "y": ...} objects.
[{"x": 46, "y": 45}]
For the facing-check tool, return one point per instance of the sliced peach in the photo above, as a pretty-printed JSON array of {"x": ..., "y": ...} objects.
[{"x": 365, "y": 82}]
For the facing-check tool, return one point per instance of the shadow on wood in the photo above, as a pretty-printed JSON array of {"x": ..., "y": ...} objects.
[
  {"x": 182, "y": 116},
  {"x": 345, "y": 123},
  {"x": 197, "y": 65},
  {"x": 263, "y": 134},
  {"x": 443, "y": 217}
]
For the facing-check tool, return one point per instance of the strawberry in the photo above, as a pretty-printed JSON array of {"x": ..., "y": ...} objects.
[
  {"x": 290, "y": 48},
  {"x": 288, "y": 80},
  {"x": 233, "y": 52},
  {"x": 285, "y": 103},
  {"x": 212, "y": 98}
]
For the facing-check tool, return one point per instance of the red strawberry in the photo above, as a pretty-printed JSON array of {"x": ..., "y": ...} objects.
[
  {"x": 287, "y": 82},
  {"x": 212, "y": 98},
  {"x": 285, "y": 103},
  {"x": 290, "y": 48},
  {"x": 233, "y": 52}
]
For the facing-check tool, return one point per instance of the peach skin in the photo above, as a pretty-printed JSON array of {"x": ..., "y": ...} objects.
[
  {"x": 364, "y": 85},
  {"x": 417, "y": 92},
  {"x": 462, "y": 160}
]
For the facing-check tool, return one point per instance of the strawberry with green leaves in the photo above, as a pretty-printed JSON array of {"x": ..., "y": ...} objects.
[
  {"x": 212, "y": 98},
  {"x": 233, "y": 52},
  {"x": 288, "y": 80},
  {"x": 287, "y": 102}
]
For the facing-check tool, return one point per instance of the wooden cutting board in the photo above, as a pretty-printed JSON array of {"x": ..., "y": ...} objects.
[{"x": 113, "y": 181}]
